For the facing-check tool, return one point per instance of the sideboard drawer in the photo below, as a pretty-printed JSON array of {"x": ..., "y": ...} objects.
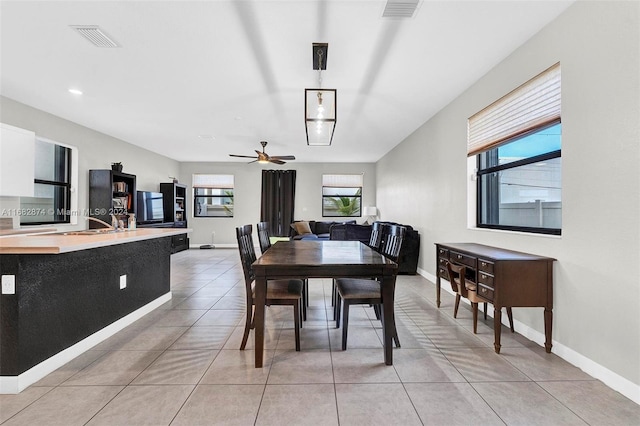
[
  {"x": 485, "y": 292},
  {"x": 485, "y": 266},
  {"x": 485, "y": 279},
  {"x": 443, "y": 253},
  {"x": 442, "y": 262},
  {"x": 442, "y": 272},
  {"x": 463, "y": 259}
]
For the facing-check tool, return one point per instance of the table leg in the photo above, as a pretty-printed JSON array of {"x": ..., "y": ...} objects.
[
  {"x": 389, "y": 321},
  {"x": 497, "y": 327},
  {"x": 437, "y": 287},
  {"x": 258, "y": 318},
  {"x": 548, "y": 321}
]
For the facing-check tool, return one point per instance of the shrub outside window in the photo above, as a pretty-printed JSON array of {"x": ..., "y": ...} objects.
[
  {"x": 212, "y": 195},
  {"x": 342, "y": 195}
]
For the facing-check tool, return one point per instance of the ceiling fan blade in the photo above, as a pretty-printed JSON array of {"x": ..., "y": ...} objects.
[
  {"x": 284, "y": 157},
  {"x": 273, "y": 160},
  {"x": 252, "y": 161},
  {"x": 242, "y": 156}
]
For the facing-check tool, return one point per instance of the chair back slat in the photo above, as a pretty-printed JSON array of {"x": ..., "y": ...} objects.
[
  {"x": 263, "y": 236},
  {"x": 457, "y": 279},
  {"x": 392, "y": 241},
  {"x": 376, "y": 236}
]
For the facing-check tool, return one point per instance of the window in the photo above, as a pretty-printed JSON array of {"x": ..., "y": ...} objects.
[
  {"x": 212, "y": 195},
  {"x": 517, "y": 142},
  {"x": 341, "y": 195},
  {"x": 51, "y": 203}
]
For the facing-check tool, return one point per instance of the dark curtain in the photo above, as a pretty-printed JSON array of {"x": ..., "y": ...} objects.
[{"x": 278, "y": 200}]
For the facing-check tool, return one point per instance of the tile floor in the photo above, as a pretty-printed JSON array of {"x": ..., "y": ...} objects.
[{"x": 180, "y": 365}]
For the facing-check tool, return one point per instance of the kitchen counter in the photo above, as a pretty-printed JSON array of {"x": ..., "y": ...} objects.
[
  {"x": 63, "y": 294},
  {"x": 56, "y": 243}
]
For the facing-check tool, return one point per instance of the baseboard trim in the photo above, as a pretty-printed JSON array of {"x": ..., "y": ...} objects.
[
  {"x": 592, "y": 368},
  {"x": 16, "y": 384}
]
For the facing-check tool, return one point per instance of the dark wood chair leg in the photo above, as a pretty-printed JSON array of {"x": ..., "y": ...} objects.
[
  {"x": 510, "y": 316},
  {"x": 336, "y": 311},
  {"x": 485, "y": 310},
  {"x": 345, "y": 323},
  {"x": 248, "y": 325},
  {"x": 304, "y": 305},
  {"x": 474, "y": 308},
  {"x": 455, "y": 308},
  {"x": 297, "y": 322}
]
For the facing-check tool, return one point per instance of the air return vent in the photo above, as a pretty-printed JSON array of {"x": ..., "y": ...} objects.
[
  {"x": 399, "y": 9},
  {"x": 95, "y": 35}
]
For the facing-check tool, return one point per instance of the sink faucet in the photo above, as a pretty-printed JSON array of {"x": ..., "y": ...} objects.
[{"x": 102, "y": 222}]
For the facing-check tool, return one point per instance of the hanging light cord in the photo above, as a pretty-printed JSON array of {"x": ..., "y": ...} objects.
[{"x": 320, "y": 53}]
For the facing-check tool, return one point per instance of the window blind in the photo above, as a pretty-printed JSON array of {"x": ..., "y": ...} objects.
[
  {"x": 531, "y": 105},
  {"x": 212, "y": 181},
  {"x": 343, "y": 181}
]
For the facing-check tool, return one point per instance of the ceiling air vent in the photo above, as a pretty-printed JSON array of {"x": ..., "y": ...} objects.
[
  {"x": 399, "y": 9},
  {"x": 95, "y": 35}
]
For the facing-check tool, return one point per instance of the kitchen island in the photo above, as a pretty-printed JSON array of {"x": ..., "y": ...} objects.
[{"x": 63, "y": 294}]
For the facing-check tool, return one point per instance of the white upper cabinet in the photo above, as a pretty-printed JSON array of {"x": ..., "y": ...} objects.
[{"x": 17, "y": 158}]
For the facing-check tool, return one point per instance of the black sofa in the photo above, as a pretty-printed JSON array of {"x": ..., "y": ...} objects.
[
  {"x": 319, "y": 229},
  {"x": 409, "y": 252}
]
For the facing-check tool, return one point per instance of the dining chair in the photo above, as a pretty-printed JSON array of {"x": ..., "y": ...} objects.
[
  {"x": 466, "y": 288},
  {"x": 265, "y": 244},
  {"x": 263, "y": 236},
  {"x": 359, "y": 291},
  {"x": 279, "y": 292},
  {"x": 374, "y": 242}
]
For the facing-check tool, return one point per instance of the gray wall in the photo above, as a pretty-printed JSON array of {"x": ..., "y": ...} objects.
[
  {"x": 424, "y": 182},
  {"x": 95, "y": 151},
  {"x": 248, "y": 182}
]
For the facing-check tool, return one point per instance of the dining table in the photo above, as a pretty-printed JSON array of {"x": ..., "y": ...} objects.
[{"x": 302, "y": 259}]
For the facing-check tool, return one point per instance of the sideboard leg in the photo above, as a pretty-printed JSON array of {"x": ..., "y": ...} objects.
[
  {"x": 548, "y": 321},
  {"x": 497, "y": 327}
]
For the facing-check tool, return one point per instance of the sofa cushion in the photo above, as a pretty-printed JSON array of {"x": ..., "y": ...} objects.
[{"x": 302, "y": 228}]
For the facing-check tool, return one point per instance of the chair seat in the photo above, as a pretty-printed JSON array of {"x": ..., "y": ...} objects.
[
  {"x": 354, "y": 288},
  {"x": 282, "y": 289}
]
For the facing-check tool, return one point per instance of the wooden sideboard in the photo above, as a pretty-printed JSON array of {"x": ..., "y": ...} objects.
[{"x": 504, "y": 278}]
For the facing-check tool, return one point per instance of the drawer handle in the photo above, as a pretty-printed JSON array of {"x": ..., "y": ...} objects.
[
  {"x": 484, "y": 263},
  {"x": 483, "y": 290},
  {"x": 459, "y": 256},
  {"x": 484, "y": 277}
]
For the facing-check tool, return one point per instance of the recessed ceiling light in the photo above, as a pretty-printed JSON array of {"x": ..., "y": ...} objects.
[{"x": 75, "y": 91}]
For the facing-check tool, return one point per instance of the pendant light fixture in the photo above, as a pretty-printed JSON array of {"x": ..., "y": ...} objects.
[{"x": 320, "y": 104}]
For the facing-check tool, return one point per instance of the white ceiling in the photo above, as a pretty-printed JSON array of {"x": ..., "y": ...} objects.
[{"x": 237, "y": 70}]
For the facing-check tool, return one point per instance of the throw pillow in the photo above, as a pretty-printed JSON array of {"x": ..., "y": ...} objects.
[{"x": 302, "y": 228}]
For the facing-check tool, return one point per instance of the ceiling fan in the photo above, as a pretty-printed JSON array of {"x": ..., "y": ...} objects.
[{"x": 263, "y": 157}]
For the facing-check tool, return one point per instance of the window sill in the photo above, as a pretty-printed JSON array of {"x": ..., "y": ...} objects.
[{"x": 504, "y": 231}]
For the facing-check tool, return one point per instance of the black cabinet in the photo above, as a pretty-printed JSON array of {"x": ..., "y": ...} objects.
[
  {"x": 111, "y": 192},
  {"x": 175, "y": 203}
]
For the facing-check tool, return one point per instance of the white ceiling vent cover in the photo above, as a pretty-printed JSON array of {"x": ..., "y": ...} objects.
[
  {"x": 95, "y": 35},
  {"x": 399, "y": 8}
]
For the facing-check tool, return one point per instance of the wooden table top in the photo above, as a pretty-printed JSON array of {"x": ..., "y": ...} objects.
[{"x": 323, "y": 258}]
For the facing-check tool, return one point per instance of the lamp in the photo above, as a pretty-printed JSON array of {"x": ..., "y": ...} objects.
[
  {"x": 320, "y": 104},
  {"x": 370, "y": 212}
]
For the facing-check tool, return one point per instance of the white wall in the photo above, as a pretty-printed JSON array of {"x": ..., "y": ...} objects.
[
  {"x": 95, "y": 151},
  {"x": 247, "y": 195},
  {"x": 424, "y": 181}
]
